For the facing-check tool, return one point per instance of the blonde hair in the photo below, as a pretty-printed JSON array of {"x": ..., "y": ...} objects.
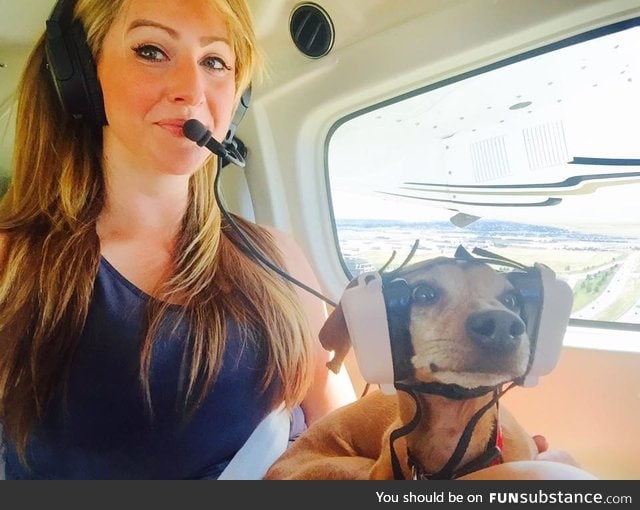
[{"x": 51, "y": 257}]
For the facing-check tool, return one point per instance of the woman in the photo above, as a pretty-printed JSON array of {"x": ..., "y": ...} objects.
[{"x": 139, "y": 340}]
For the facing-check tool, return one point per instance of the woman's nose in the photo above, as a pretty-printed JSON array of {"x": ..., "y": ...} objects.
[{"x": 185, "y": 84}]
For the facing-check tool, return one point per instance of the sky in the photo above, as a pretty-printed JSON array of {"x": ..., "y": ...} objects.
[{"x": 517, "y": 124}]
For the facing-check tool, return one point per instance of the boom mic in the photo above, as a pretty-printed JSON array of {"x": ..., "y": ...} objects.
[{"x": 197, "y": 132}]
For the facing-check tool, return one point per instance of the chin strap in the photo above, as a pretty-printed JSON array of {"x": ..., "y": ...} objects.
[{"x": 491, "y": 456}]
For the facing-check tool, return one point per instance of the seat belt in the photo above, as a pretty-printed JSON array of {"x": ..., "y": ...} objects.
[{"x": 266, "y": 443}]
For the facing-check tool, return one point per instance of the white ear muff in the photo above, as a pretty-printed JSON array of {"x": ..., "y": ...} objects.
[
  {"x": 547, "y": 302},
  {"x": 365, "y": 314},
  {"x": 553, "y": 318}
]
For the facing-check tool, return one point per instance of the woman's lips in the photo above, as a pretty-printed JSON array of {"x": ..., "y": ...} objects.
[{"x": 174, "y": 127}]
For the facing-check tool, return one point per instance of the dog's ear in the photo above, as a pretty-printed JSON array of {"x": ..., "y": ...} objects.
[{"x": 334, "y": 336}]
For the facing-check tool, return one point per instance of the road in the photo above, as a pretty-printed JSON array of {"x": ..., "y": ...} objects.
[{"x": 614, "y": 291}]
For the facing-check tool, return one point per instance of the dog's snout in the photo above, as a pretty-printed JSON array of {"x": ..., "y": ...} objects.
[{"x": 495, "y": 330}]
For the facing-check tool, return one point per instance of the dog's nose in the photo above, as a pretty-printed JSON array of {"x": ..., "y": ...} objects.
[{"x": 495, "y": 330}]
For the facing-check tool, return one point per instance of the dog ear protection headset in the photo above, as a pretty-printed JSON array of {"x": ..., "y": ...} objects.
[{"x": 376, "y": 311}]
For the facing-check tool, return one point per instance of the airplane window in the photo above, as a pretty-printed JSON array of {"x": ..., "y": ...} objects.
[{"x": 535, "y": 158}]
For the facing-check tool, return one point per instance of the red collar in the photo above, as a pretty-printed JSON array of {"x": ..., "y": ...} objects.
[{"x": 499, "y": 445}]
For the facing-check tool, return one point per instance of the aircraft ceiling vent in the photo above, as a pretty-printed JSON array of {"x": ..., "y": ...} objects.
[{"x": 312, "y": 30}]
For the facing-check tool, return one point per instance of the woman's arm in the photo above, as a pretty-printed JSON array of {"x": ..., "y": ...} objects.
[{"x": 328, "y": 390}]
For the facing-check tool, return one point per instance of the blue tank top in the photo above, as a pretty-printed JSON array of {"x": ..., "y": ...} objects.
[{"x": 105, "y": 430}]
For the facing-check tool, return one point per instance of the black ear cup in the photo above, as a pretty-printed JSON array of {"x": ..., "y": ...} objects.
[
  {"x": 397, "y": 300},
  {"x": 529, "y": 287},
  {"x": 72, "y": 67}
]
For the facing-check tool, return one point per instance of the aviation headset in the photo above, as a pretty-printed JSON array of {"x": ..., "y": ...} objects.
[
  {"x": 75, "y": 78},
  {"x": 376, "y": 310}
]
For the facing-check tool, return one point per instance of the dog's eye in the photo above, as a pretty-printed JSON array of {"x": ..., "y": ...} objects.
[
  {"x": 425, "y": 294},
  {"x": 511, "y": 300}
]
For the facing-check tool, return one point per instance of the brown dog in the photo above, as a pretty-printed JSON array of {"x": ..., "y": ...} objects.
[{"x": 467, "y": 340}]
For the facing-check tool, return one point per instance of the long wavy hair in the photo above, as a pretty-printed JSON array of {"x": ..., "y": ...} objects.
[{"x": 51, "y": 256}]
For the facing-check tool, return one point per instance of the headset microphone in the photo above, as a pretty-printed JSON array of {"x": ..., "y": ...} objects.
[{"x": 196, "y": 131}]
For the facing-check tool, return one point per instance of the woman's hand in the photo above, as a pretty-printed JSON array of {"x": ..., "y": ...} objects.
[
  {"x": 544, "y": 453},
  {"x": 559, "y": 466}
]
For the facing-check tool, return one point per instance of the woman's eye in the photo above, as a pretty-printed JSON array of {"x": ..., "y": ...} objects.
[
  {"x": 150, "y": 53},
  {"x": 511, "y": 301},
  {"x": 215, "y": 63},
  {"x": 425, "y": 294}
]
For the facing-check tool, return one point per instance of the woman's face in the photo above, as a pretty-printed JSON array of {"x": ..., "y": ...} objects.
[{"x": 163, "y": 62}]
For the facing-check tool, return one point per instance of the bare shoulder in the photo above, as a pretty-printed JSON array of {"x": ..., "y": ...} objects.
[
  {"x": 296, "y": 263},
  {"x": 294, "y": 257},
  {"x": 284, "y": 241}
]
